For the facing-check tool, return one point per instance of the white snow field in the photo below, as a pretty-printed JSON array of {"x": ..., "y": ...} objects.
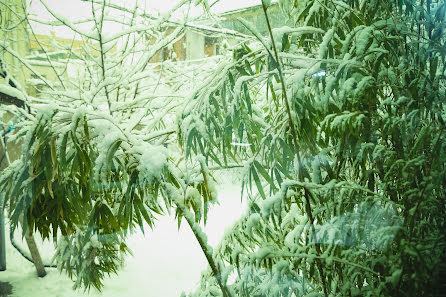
[{"x": 165, "y": 261}]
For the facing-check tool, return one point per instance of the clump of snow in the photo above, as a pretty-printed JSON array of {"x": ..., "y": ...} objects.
[
  {"x": 213, "y": 190},
  {"x": 152, "y": 162},
  {"x": 316, "y": 165},
  {"x": 268, "y": 204},
  {"x": 104, "y": 146},
  {"x": 253, "y": 222},
  {"x": 363, "y": 39},
  {"x": 236, "y": 252},
  {"x": 325, "y": 42},
  {"x": 193, "y": 195},
  {"x": 79, "y": 113},
  {"x": 46, "y": 110},
  {"x": 12, "y": 92},
  {"x": 262, "y": 253}
]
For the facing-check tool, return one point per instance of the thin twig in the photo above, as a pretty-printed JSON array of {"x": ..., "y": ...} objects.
[
  {"x": 196, "y": 229},
  {"x": 101, "y": 45}
]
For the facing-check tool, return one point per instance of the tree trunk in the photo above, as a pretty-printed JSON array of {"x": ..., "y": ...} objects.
[
  {"x": 2, "y": 240},
  {"x": 35, "y": 255}
]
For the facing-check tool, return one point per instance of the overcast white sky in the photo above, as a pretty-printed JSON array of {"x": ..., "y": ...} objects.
[{"x": 75, "y": 9}]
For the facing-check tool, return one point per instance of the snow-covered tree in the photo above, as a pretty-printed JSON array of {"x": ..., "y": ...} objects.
[
  {"x": 99, "y": 156},
  {"x": 339, "y": 122}
]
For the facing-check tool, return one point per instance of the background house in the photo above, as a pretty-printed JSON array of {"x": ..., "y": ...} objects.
[
  {"x": 254, "y": 15},
  {"x": 205, "y": 38},
  {"x": 14, "y": 37},
  {"x": 198, "y": 41},
  {"x": 201, "y": 39}
]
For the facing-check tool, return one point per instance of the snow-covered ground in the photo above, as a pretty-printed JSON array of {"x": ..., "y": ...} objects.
[{"x": 165, "y": 261}]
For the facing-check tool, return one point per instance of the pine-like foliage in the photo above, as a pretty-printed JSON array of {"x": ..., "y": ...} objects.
[{"x": 344, "y": 117}]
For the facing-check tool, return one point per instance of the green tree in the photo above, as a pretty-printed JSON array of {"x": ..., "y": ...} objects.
[
  {"x": 344, "y": 118},
  {"x": 337, "y": 120},
  {"x": 95, "y": 163}
]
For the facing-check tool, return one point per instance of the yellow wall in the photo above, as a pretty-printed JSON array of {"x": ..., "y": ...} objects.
[
  {"x": 13, "y": 33},
  {"x": 14, "y": 36}
]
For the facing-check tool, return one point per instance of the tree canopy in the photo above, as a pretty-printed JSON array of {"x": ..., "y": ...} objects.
[{"x": 337, "y": 119}]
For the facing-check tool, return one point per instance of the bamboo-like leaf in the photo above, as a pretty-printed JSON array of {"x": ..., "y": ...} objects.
[
  {"x": 264, "y": 173},
  {"x": 111, "y": 152},
  {"x": 247, "y": 98},
  {"x": 242, "y": 71},
  {"x": 248, "y": 67},
  {"x": 433, "y": 68},
  {"x": 190, "y": 137},
  {"x": 258, "y": 183}
]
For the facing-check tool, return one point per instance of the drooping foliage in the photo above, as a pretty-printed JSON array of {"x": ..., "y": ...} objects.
[
  {"x": 97, "y": 157},
  {"x": 339, "y": 121}
]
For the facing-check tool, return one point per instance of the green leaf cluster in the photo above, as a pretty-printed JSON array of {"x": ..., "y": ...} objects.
[
  {"x": 78, "y": 185},
  {"x": 346, "y": 186}
]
